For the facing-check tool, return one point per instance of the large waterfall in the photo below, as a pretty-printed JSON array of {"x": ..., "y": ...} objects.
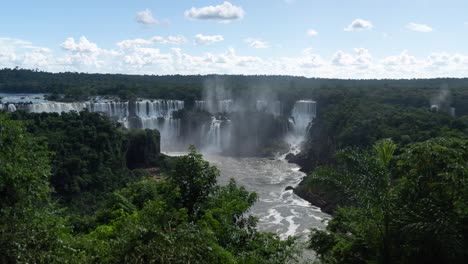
[
  {"x": 303, "y": 113},
  {"x": 11, "y": 108},
  {"x": 55, "y": 107},
  {"x": 150, "y": 114},
  {"x": 225, "y": 106},
  {"x": 218, "y": 137},
  {"x": 158, "y": 114}
]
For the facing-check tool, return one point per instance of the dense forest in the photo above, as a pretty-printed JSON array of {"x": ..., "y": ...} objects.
[
  {"x": 80, "y": 86},
  {"x": 394, "y": 177},
  {"x": 80, "y": 188},
  {"x": 72, "y": 191}
]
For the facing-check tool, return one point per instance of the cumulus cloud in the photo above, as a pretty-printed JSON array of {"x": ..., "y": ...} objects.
[
  {"x": 145, "y": 17},
  {"x": 83, "y": 45},
  {"x": 138, "y": 57},
  {"x": 131, "y": 43},
  {"x": 201, "y": 39},
  {"x": 419, "y": 27},
  {"x": 361, "y": 58},
  {"x": 224, "y": 12},
  {"x": 402, "y": 59},
  {"x": 312, "y": 33},
  {"x": 359, "y": 25},
  {"x": 311, "y": 59},
  {"x": 257, "y": 43}
]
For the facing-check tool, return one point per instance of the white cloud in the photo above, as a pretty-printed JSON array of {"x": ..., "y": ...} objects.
[
  {"x": 359, "y": 25},
  {"x": 311, "y": 59},
  {"x": 146, "y": 17},
  {"x": 132, "y": 43},
  {"x": 312, "y": 33},
  {"x": 361, "y": 58},
  {"x": 83, "y": 45},
  {"x": 419, "y": 27},
  {"x": 201, "y": 39},
  {"x": 177, "y": 40},
  {"x": 225, "y": 12},
  {"x": 402, "y": 59},
  {"x": 257, "y": 43},
  {"x": 82, "y": 55}
]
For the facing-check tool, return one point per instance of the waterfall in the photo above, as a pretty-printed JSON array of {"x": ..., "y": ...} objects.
[
  {"x": 55, "y": 107},
  {"x": 11, "y": 108},
  {"x": 158, "y": 114},
  {"x": 201, "y": 106},
  {"x": 117, "y": 110},
  {"x": 225, "y": 106},
  {"x": 147, "y": 114},
  {"x": 218, "y": 137},
  {"x": 303, "y": 113}
]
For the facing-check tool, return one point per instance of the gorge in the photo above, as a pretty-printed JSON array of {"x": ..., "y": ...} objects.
[{"x": 246, "y": 139}]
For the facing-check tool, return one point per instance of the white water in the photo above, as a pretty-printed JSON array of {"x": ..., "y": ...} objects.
[
  {"x": 218, "y": 136},
  {"x": 303, "y": 113},
  {"x": 279, "y": 211},
  {"x": 225, "y": 106}
]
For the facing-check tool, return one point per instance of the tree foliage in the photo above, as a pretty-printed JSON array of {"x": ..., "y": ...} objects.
[{"x": 413, "y": 210}]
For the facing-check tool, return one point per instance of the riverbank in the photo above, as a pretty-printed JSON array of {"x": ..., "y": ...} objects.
[{"x": 314, "y": 194}]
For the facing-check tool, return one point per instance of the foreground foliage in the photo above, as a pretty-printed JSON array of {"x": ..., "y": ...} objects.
[
  {"x": 409, "y": 208},
  {"x": 183, "y": 217}
]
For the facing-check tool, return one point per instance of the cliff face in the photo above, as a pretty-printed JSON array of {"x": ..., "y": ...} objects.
[
  {"x": 142, "y": 148},
  {"x": 318, "y": 150}
]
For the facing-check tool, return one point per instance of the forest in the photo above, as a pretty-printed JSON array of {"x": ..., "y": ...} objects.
[
  {"x": 79, "y": 188},
  {"x": 394, "y": 177},
  {"x": 72, "y": 191}
]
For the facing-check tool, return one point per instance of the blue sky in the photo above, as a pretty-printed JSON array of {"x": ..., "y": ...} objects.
[{"x": 341, "y": 39}]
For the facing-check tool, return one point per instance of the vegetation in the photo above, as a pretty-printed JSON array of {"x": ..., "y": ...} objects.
[
  {"x": 182, "y": 216},
  {"x": 79, "y": 86},
  {"x": 79, "y": 188},
  {"x": 408, "y": 208}
]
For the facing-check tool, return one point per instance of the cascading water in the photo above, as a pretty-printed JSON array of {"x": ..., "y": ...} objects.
[
  {"x": 218, "y": 136},
  {"x": 56, "y": 107},
  {"x": 149, "y": 114},
  {"x": 11, "y": 108},
  {"x": 303, "y": 113},
  {"x": 117, "y": 110},
  {"x": 225, "y": 106},
  {"x": 201, "y": 106},
  {"x": 158, "y": 114}
]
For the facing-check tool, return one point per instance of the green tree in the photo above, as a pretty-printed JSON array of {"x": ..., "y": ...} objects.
[
  {"x": 361, "y": 229},
  {"x": 31, "y": 230},
  {"x": 419, "y": 215},
  {"x": 195, "y": 179}
]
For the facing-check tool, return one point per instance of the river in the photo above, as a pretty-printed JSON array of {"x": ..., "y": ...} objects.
[{"x": 279, "y": 211}]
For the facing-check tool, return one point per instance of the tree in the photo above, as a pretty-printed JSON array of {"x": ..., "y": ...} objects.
[
  {"x": 360, "y": 229},
  {"x": 195, "y": 179},
  {"x": 419, "y": 215},
  {"x": 433, "y": 198},
  {"x": 31, "y": 230}
]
